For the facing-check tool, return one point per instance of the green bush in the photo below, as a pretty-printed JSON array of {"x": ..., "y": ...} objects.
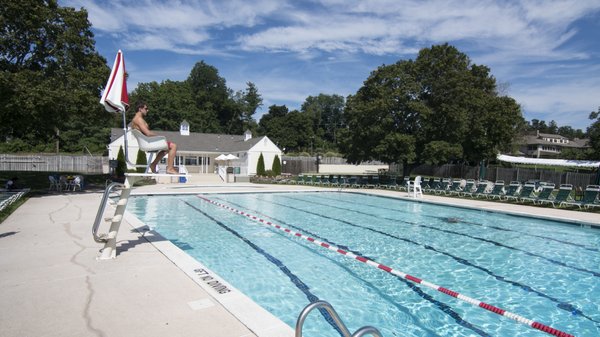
[
  {"x": 260, "y": 166},
  {"x": 141, "y": 160},
  {"x": 276, "y": 168},
  {"x": 121, "y": 165}
]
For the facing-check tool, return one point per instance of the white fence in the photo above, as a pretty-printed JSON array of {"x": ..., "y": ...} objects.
[{"x": 54, "y": 163}]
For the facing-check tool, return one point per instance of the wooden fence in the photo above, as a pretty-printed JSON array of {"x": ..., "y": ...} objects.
[
  {"x": 297, "y": 165},
  {"x": 577, "y": 179},
  {"x": 54, "y": 163}
]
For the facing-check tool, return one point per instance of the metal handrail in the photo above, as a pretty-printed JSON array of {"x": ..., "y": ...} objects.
[
  {"x": 101, "y": 210},
  {"x": 336, "y": 318}
]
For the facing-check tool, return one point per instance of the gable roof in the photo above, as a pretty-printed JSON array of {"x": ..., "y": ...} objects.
[
  {"x": 535, "y": 140},
  {"x": 206, "y": 142}
]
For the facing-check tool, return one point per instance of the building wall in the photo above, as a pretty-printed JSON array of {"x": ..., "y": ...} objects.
[{"x": 268, "y": 150}]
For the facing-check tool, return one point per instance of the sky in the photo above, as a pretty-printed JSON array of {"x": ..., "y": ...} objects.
[{"x": 543, "y": 53}]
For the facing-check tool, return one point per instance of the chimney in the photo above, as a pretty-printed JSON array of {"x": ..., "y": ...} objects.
[{"x": 247, "y": 135}]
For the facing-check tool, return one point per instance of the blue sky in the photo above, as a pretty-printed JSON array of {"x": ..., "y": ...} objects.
[{"x": 545, "y": 54}]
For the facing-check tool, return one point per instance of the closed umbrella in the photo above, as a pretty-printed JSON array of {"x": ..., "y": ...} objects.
[{"x": 115, "y": 96}]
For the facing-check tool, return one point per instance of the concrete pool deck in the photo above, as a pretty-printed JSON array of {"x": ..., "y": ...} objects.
[{"x": 52, "y": 284}]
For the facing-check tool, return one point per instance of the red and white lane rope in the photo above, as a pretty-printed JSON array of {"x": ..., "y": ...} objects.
[{"x": 475, "y": 302}]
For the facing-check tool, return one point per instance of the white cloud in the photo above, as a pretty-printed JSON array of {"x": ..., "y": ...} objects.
[
  {"x": 526, "y": 43},
  {"x": 567, "y": 102}
]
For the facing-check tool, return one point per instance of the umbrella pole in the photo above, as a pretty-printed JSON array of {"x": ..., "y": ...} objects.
[{"x": 126, "y": 148}]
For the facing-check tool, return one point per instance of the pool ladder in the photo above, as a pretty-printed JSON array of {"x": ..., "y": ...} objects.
[
  {"x": 110, "y": 239},
  {"x": 336, "y": 318}
]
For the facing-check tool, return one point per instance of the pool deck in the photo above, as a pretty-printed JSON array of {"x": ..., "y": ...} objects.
[{"x": 53, "y": 285}]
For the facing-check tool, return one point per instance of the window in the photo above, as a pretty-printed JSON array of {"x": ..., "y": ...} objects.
[{"x": 191, "y": 160}]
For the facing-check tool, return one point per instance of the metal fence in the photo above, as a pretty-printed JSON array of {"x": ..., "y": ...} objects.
[{"x": 53, "y": 163}]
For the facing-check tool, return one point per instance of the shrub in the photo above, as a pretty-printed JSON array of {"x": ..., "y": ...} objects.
[
  {"x": 141, "y": 160},
  {"x": 121, "y": 165},
  {"x": 260, "y": 166},
  {"x": 276, "y": 168}
]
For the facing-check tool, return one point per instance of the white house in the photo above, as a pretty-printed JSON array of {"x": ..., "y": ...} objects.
[{"x": 197, "y": 151}]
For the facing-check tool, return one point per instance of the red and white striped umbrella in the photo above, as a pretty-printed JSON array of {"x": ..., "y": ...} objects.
[{"x": 115, "y": 96}]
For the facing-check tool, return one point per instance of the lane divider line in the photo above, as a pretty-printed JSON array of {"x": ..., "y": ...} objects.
[{"x": 536, "y": 325}]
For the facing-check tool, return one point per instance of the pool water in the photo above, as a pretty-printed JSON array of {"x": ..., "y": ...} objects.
[{"x": 545, "y": 271}]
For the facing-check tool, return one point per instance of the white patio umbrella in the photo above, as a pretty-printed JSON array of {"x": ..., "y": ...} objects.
[
  {"x": 115, "y": 96},
  {"x": 221, "y": 157}
]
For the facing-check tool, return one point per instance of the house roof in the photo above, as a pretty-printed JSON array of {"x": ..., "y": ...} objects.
[
  {"x": 205, "y": 142},
  {"x": 535, "y": 140}
]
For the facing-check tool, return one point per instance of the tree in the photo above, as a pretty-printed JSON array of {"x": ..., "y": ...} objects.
[
  {"x": 212, "y": 97},
  {"x": 291, "y": 131},
  {"x": 276, "y": 168},
  {"x": 593, "y": 132},
  {"x": 437, "y": 108},
  {"x": 249, "y": 100},
  {"x": 327, "y": 114},
  {"x": 260, "y": 166},
  {"x": 121, "y": 165},
  {"x": 50, "y": 77},
  {"x": 141, "y": 160}
]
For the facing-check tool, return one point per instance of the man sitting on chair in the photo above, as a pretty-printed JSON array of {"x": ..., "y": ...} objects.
[{"x": 138, "y": 122}]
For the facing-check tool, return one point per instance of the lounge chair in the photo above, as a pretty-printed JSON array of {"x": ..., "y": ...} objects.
[
  {"x": 525, "y": 192},
  {"x": 563, "y": 195},
  {"x": 454, "y": 188},
  {"x": 425, "y": 183},
  {"x": 434, "y": 184},
  {"x": 404, "y": 185},
  {"x": 496, "y": 192},
  {"x": 589, "y": 199},
  {"x": 479, "y": 189},
  {"x": 354, "y": 182},
  {"x": 334, "y": 181},
  {"x": 512, "y": 191},
  {"x": 372, "y": 182},
  {"x": 544, "y": 195},
  {"x": 362, "y": 181},
  {"x": 468, "y": 188},
  {"x": 444, "y": 184},
  {"x": 391, "y": 183}
]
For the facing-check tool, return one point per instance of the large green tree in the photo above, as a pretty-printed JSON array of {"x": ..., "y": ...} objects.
[
  {"x": 290, "y": 130},
  {"x": 437, "y": 108},
  {"x": 50, "y": 79},
  {"x": 204, "y": 100},
  {"x": 593, "y": 132},
  {"x": 327, "y": 114}
]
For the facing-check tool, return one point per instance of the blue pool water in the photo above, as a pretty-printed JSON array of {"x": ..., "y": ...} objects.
[{"x": 542, "y": 270}]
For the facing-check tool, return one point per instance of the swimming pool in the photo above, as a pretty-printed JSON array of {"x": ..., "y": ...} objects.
[{"x": 542, "y": 270}]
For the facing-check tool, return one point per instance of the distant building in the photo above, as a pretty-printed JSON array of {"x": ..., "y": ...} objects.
[
  {"x": 197, "y": 151},
  {"x": 546, "y": 145}
]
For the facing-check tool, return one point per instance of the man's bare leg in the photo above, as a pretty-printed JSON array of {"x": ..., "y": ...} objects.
[
  {"x": 171, "y": 160},
  {"x": 156, "y": 160}
]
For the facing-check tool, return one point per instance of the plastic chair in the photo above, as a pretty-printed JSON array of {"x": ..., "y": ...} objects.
[
  {"x": 53, "y": 184},
  {"x": 151, "y": 145},
  {"x": 77, "y": 183}
]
